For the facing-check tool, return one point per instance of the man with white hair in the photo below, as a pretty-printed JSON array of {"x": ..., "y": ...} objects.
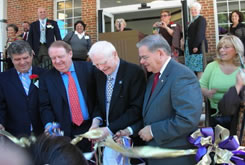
[{"x": 120, "y": 92}]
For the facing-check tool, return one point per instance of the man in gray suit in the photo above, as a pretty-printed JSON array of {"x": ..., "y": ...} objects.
[{"x": 172, "y": 108}]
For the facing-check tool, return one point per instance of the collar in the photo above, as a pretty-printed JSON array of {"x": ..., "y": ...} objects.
[
  {"x": 114, "y": 74},
  {"x": 71, "y": 69},
  {"x": 80, "y": 35},
  {"x": 164, "y": 66},
  {"x": 28, "y": 72}
]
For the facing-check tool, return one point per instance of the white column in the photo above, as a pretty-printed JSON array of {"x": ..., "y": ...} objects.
[{"x": 3, "y": 24}]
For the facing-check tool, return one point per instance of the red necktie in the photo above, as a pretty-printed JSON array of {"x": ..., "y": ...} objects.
[
  {"x": 156, "y": 78},
  {"x": 25, "y": 36},
  {"x": 76, "y": 112}
]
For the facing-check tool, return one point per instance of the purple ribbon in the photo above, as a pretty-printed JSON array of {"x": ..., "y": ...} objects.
[{"x": 230, "y": 144}]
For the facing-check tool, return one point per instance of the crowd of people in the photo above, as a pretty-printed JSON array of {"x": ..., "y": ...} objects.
[{"x": 91, "y": 88}]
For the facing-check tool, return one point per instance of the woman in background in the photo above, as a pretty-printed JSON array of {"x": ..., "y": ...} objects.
[
  {"x": 237, "y": 28},
  {"x": 220, "y": 75},
  {"x": 12, "y": 31},
  {"x": 195, "y": 39},
  {"x": 80, "y": 42}
]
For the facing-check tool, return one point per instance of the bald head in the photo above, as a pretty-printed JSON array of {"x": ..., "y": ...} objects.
[{"x": 41, "y": 12}]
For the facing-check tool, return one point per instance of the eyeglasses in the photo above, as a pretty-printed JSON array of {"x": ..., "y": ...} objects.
[
  {"x": 143, "y": 57},
  {"x": 164, "y": 15},
  {"x": 225, "y": 47}
]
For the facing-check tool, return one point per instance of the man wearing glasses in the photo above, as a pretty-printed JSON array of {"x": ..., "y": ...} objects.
[{"x": 171, "y": 31}]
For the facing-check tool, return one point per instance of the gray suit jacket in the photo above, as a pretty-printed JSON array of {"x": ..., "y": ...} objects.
[{"x": 173, "y": 111}]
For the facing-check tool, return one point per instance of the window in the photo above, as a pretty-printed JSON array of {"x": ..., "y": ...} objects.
[
  {"x": 224, "y": 8},
  {"x": 67, "y": 12}
]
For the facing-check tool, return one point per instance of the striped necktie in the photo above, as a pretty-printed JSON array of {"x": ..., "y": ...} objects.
[{"x": 25, "y": 81}]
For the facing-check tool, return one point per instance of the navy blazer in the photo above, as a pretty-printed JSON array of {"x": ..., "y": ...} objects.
[
  {"x": 18, "y": 110},
  {"x": 52, "y": 34},
  {"x": 197, "y": 34},
  {"x": 127, "y": 97},
  {"x": 54, "y": 105}
]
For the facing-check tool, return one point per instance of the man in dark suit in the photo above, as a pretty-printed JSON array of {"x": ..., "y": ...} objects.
[
  {"x": 43, "y": 33},
  {"x": 172, "y": 105},
  {"x": 19, "y": 103},
  {"x": 120, "y": 92},
  {"x": 67, "y": 82},
  {"x": 26, "y": 28}
]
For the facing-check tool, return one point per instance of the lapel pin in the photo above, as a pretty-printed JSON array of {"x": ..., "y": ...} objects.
[{"x": 120, "y": 82}]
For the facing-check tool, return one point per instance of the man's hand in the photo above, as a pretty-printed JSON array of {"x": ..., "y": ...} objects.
[
  {"x": 95, "y": 124},
  {"x": 119, "y": 134},
  {"x": 195, "y": 50},
  {"x": 2, "y": 127},
  {"x": 145, "y": 133}
]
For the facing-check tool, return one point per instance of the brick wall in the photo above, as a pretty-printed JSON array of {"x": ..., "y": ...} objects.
[
  {"x": 89, "y": 17},
  {"x": 26, "y": 10},
  {"x": 208, "y": 13}
]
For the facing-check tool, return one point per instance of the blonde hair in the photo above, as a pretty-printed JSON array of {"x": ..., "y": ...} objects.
[
  {"x": 121, "y": 20},
  {"x": 234, "y": 41}
]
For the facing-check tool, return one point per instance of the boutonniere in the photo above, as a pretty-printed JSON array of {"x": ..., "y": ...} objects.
[
  {"x": 86, "y": 37},
  {"x": 49, "y": 25},
  {"x": 35, "y": 79}
]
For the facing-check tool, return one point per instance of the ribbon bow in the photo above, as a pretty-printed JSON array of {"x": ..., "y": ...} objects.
[{"x": 225, "y": 147}]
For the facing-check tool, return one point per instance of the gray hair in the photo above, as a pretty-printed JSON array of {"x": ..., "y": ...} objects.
[
  {"x": 19, "y": 47},
  {"x": 102, "y": 47},
  {"x": 154, "y": 42},
  {"x": 196, "y": 5}
]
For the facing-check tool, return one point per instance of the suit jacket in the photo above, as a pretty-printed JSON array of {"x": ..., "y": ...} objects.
[
  {"x": 22, "y": 36},
  {"x": 127, "y": 97},
  {"x": 18, "y": 110},
  {"x": 230, "y": 105},
  {"x": 52, "y": 34},
  {"x": 197, "y": 34},
  {"x": 54, "y": 105},
  {"x": 173, "y": 111}
]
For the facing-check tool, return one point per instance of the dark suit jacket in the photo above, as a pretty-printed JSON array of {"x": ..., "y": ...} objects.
[
  {"x": 22, "y": 36},
  {"x": 173, "y": 111},
  {"x": 17, "y": 110},
  {"x": 52, "y": 34},
  {"x": 229, "y": 105},
  {"x": 53, "y": 98},
  {"x": 127, "y": 97},
  {"x": 197, "y": 34}
]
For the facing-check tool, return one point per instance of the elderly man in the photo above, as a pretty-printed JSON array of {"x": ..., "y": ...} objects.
[
  {"x": 120, "y": 92},
  {"x": 172, "y": 103},
  {"x": 43, "y": 33},
  {"x": 19, "y": 104},
  {"x": 67, "y": 93}
]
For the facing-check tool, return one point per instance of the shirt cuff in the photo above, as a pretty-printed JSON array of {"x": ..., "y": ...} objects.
[
  {"x": 100, "y": 119},
  {"x": 130, "y": 130},
  {"x": 151, "y": 131},
  {"x": 47, "y": 125}
]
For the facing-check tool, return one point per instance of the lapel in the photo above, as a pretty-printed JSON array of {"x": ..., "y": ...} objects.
[
  {"x": 118, "y": 84},
  {"x": 101, "y": 82},
  {"x": 32, "y": 86},
  {"x": 81, "y": 75},
  {"x": 58, "y": 83},
  {"x": 159, "y": 87},
  {"x": 38, "y": 28},
  {"x": 16, "y": 81}
]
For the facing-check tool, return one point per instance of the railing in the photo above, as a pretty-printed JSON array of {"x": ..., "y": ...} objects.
[{"x": 46, "y": 64}]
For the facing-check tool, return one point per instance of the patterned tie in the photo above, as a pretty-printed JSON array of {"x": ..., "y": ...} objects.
[
  {"x": 109, "y": 90},
  {"x": 25, "y": 81},
  {"x": 76, "y": 112},
  {"x": 156, "y": 78}
]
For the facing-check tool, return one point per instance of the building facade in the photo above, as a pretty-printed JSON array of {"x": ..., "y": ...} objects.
[{"x": 67, "y": 12}]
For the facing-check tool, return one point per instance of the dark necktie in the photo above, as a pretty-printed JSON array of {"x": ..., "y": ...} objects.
[
  {"x": 76, "y": 112},
  {"x": 156, "y": 78},
  {"x": 25, "y": 36}
]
